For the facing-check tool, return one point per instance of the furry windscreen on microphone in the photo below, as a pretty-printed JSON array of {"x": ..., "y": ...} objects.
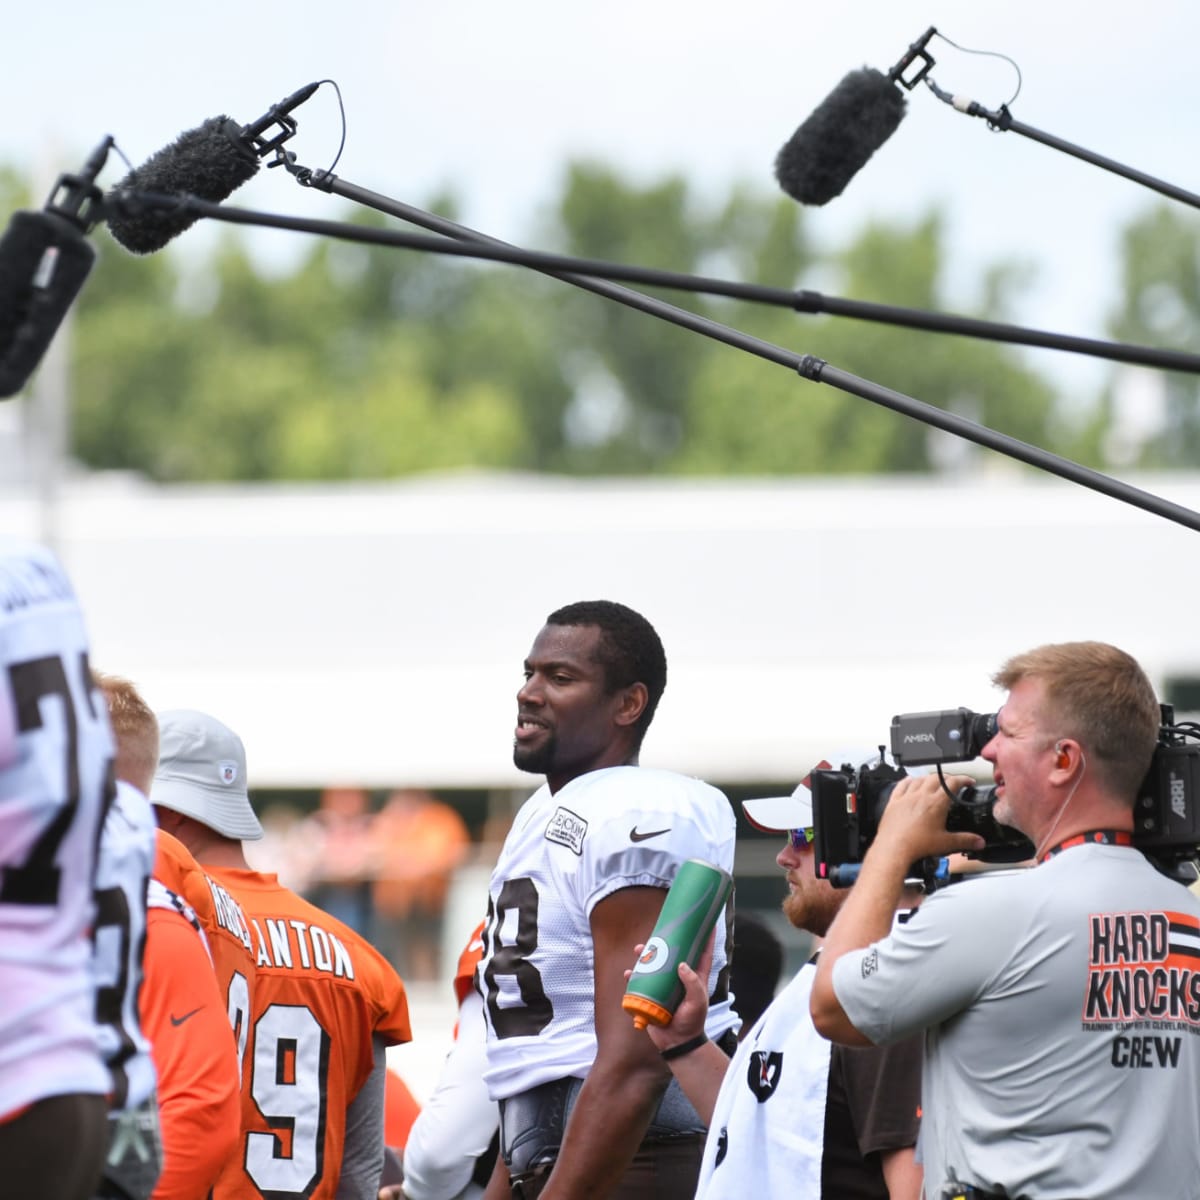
[
  {"x": 844, "y": 130},
  {"x": 210, "y": 161}
]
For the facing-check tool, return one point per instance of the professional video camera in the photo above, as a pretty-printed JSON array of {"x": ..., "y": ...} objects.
[{"x": 849, "y": 800}]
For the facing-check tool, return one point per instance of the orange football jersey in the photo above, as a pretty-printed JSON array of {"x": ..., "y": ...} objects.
[
  {"x": 224, "y": 925},
  {"x": 183, "y": 1015},
  {"x": 321, "y": 994}
]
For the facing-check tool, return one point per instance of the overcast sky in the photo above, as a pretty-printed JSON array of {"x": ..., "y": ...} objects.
[{"x": 494, "y": 99}]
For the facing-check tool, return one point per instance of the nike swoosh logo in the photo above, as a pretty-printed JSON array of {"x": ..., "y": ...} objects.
[
  {"x": 180, "y": 1020},
  {"x": 634, "y": 836}
]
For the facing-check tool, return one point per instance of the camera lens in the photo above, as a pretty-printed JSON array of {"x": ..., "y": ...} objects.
[
  {"x": 971, "y": 812},
  {"x": 981, "y": 728}
]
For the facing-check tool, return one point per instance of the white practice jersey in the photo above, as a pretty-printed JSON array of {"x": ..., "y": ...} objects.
[
  {"x": 606, "y": 830},
  {"x": 122, "y": 876},
  {"x": 458, "y": 1120},
  {"x": 55, "y": 785},
  {"x": 777, "y": 1146},
  {"x": 774, "y": 1123}
]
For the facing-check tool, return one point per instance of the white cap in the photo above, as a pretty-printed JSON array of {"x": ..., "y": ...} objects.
[
  {"x": 202, "y": 774},
  {"x": 778, "y": 814}
]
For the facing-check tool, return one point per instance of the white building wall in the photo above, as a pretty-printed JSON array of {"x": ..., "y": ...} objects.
[{"x": 374, "y": 634}]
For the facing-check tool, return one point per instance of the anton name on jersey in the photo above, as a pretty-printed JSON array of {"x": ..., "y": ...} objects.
[
  {"x": 229, "y": 914},
  {"x": 294, "y": 944}
]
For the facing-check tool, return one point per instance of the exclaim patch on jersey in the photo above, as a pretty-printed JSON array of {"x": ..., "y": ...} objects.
[{"x": 567, "y": 829}]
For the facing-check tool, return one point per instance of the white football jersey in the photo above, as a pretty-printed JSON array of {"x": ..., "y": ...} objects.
[
  {"x": 771, "y": 1149},
  {"x": 122, "y": 876},
  {"x": 55, "y": 785},
  {"x": 606, "y": 830}
]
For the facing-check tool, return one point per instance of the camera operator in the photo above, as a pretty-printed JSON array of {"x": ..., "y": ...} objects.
[
  {"x": 790, "y": 1112},
  {"x": 1061, "y": 1005}
]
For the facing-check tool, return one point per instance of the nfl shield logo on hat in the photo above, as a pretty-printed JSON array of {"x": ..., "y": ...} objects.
[{"x": 227, "y": 771}]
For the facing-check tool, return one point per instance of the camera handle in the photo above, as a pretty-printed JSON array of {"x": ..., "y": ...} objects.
[{"x": 931, "y": 873}]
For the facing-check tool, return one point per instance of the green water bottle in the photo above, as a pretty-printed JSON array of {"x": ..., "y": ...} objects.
[{"x": 693, "y": 904}]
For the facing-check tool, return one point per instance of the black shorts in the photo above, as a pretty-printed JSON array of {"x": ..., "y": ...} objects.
[
  {"x": 660, "y": 1169},
  {"x": 55, "y": 1147}
]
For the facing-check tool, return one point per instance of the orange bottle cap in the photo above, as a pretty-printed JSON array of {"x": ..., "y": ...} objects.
[{"x": 645, "y": 1012}]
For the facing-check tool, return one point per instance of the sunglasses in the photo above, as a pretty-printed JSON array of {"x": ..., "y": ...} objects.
[{"x": 799, "y": 838}]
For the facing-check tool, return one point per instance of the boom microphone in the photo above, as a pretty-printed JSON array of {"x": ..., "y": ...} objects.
[
  {"x": 211, "y": 161},
  {"x": 469, "y": 243},
  {"x": 44, "y": 260},
  {"x": 846, "y": 128}
]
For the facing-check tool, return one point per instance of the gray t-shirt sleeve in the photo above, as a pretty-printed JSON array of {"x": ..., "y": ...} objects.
[
  {"x": 362, "y": 1158},
  {"x": 928, "y": 969}
]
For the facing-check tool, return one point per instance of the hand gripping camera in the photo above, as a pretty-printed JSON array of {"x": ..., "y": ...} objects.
[{"x": 848, "y": 801}]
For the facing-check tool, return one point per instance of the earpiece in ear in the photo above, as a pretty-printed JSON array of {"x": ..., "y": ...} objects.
[{"x": 1063, "y": 759}]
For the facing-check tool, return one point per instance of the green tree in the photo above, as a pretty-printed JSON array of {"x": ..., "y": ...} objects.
[
  {"x": 1160, "y": 255},
  {"x": 635, "y": 375},
  {"x": 334, "y": 369},
  {"x": 369, "y": 362},
  {"x": 754, "y": 417}
]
